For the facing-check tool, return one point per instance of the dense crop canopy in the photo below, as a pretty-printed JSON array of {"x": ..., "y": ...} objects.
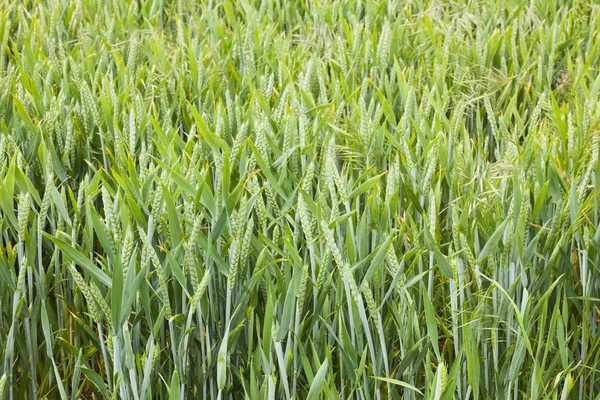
[{"x": 299, "y": 199}]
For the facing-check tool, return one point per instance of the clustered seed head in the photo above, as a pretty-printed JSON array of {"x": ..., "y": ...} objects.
[
  {"x": 2, "y": 383},
  {"x": 90, "y": 104},
  {"x": 302, "y": 289},
  {"x": 245, "y": 250},
  {"x": 99, "y": 298},
  {"x": 305, "y": 219},
  {"x": 323, "y": 269},
  {"x": 23, "y": 215},
  {"x": 199, "y": 292},
  {"x": 371, "y": 305},
  {"x": 21, "y": 277},
  {"x": 45, "y": 203},
  {"x": 87, "y": 294},
  {"x": 127, "y": 249}
]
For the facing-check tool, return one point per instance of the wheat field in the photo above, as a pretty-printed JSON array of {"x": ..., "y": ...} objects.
[{"x": 299, "y": 199}]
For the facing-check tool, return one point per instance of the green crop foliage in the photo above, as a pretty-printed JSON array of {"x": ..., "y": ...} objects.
[{"x": 299, "y": 199}]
